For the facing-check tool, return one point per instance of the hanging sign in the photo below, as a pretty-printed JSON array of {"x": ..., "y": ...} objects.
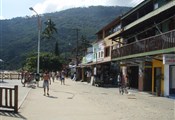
[{"x": 169, "y": 59}]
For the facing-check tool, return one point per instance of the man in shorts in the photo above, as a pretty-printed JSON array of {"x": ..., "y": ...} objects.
[{"x": 46, "y": 79}]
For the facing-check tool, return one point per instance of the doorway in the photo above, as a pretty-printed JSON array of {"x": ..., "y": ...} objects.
[
  {"x": 148, "y": 79},
  {"x": 157, "y": 80},
  {"x": 172, "y": 80},
  {"x": 133, "y": 76}
]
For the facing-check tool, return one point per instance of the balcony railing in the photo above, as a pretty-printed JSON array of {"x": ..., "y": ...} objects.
[{"x": 158, "y": 42}]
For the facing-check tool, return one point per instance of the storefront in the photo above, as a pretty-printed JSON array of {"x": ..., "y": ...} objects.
[
  {"x": 169, "y": 74},
  {"x": 158, "y": 78}
]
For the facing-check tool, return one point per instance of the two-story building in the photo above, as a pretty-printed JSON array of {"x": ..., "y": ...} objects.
[
  {"x": 141, "y": 44},
  {"x": 148, "y": 35}
]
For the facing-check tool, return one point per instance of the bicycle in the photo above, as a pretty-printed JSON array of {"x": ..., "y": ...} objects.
[{"x": 123, "y": 89}]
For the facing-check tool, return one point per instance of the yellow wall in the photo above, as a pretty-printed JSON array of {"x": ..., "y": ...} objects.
[{"x": 157, "y": 63}]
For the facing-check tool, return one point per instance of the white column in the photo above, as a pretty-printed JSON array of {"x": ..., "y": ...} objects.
[{"x": 166, "y": 80}]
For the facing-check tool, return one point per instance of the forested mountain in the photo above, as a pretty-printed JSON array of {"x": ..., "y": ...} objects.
[{"x": 19, "y": 36}]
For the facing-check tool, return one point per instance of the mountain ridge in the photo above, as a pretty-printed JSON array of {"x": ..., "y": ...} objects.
[{"x": 19, "y": 35}]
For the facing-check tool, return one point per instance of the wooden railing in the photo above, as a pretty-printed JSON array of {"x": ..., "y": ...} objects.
[
  {"x": 9, "y": 98},
  {"x": 158, "y": 42},
  {"x": 10, "y": 75}
]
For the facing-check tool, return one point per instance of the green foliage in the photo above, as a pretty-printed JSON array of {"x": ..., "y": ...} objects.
[
  {"x": 49, "y": 30},
  {"x": 48, "y": 61},
  {"x": 19, "y": 36}
]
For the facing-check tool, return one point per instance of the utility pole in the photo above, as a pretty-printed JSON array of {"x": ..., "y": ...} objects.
[{"x": 77, "y": 31}]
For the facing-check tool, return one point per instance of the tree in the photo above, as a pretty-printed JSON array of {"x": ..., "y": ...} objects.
[
  {"x": 49, "y": 30},
  {"x": 48, "y": 61}
]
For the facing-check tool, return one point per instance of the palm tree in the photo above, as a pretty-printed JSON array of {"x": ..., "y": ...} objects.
[{"x": 49, "y": 30}]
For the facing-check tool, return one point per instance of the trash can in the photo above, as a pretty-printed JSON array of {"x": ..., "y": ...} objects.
[{"x": 37, "y": 77}]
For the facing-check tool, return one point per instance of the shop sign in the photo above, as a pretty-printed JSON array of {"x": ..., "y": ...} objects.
[
  {"x": 89, "y": 57},
  {"x": 169, "y": 59}
]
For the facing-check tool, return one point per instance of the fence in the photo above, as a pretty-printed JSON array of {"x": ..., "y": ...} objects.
[
  {"x": 10, "y": 75},
  {"x": 158, "y": 42},
  {"x": 9, "y": 98}
]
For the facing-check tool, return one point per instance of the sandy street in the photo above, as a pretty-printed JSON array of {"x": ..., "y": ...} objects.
[{"x": 81, "y": 101}]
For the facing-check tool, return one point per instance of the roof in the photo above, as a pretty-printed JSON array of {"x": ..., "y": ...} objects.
[
  {"x": 135, "y": 8},
  {"x": 114, "y": 22}
]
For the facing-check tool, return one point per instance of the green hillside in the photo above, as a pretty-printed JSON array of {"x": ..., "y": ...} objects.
[{"x": 18, "y": 36}]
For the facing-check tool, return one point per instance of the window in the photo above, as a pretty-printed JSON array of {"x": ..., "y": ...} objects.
[
  {"x": 156, "y": 5},
  {"x": 102, "y": 53},
  {"x": 107, "y": 51},
  {"x": 95, "y": 55},
  {"x": 98, "y": 54}
]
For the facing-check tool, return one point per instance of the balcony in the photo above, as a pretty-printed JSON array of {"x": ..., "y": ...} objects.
[{"x": 159, "y": 42}]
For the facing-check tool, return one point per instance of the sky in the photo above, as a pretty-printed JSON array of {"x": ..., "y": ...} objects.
[{"x": 20, "y": 8}]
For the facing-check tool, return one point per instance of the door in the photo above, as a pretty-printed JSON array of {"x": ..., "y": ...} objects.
[
  {"x": 172, "y": 80},
  {"x": 148, "y": 79}
]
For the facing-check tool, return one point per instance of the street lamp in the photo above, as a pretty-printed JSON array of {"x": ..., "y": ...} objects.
[{"x": 39, "y": 32}]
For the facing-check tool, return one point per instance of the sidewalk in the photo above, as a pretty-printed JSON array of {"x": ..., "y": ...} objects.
[
  {"x": 23, "y": 91},
  {"x": 79, "y": 101}
]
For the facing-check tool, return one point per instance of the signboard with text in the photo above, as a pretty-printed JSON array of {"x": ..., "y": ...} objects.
[{"x": 169, "y": 59}]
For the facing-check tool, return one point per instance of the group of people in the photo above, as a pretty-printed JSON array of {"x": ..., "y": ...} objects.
[
  {"x": 47, "y": 77},
  {"x": 26, "y": 77}
]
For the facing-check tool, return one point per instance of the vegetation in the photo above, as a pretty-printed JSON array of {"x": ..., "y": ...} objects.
[
  {"x": 18, "y": 36},
  {"x": 49, "y": 30},
  {"x": 48, "y": 62}
]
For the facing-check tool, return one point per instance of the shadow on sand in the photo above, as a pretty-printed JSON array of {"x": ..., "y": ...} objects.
[
  {"x": 52, "y": 97},
  {"x": 12, "y": 114}
]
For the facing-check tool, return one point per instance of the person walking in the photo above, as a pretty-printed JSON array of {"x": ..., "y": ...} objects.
[
  {"x": 62, "y": 77},
  {"x": 46, "y": 79},
  {"x": 57, "y": 75}
]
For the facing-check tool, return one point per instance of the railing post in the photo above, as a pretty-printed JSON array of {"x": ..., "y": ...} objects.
[
  {"x": 10, "y": 76},
  {"x": 0, "y": 97},
  {"x": 16, "y": 99}
]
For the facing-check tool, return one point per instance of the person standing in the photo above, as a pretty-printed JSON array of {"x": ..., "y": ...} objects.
[
  {"x": 46, "y": 79},
  {"x": 95, "y": 76},
  {"x": 53, "y": 76},
  {"x": 119, "y": 80},
  {"x": 26, "y": 77},
  {"x": 74, "y": 76},
  {"x": 88, "y": 75},
  {"x": 57, "y": 75}
]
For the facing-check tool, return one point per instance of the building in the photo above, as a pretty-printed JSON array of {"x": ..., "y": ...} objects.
[
  {"x": 141, "y": 44},
  {"x": 148, "y": 35}
]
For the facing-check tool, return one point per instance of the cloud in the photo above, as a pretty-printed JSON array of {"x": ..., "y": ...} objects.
[
  {"x": 56, "y": 5},
  {"x": 2, "y": 18}
]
